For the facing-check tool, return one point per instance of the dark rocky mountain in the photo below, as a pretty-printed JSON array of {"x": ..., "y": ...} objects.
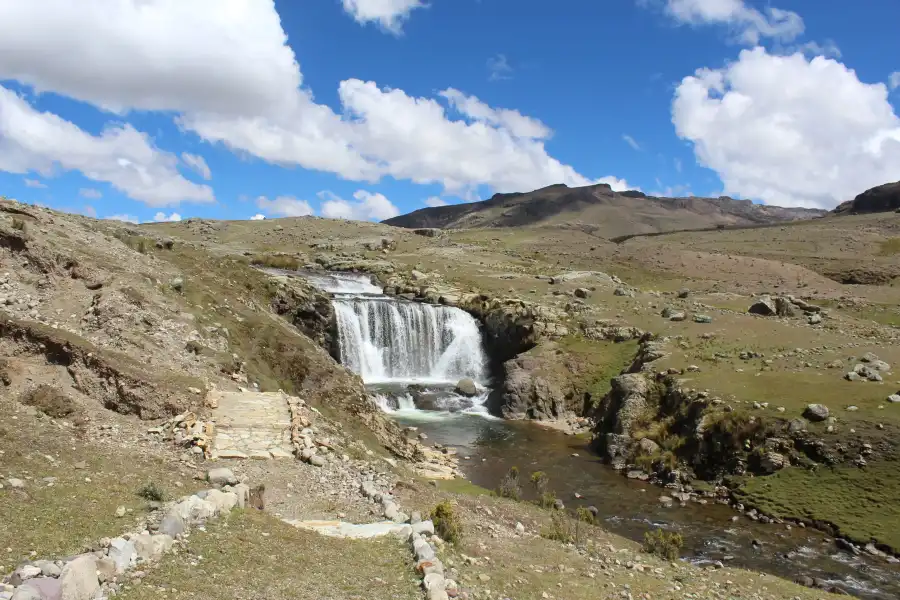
[
  {"x": 605, "y": 212},
  {"x": 882, "y": 198}
]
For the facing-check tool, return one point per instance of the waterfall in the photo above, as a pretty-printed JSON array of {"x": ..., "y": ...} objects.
[
  {"x": 387, "y": 340},
  {"x": 409, "y": 355}
]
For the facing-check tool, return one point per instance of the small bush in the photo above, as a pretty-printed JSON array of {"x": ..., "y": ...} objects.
[
  {"x": 49, "y": 401},
  {"x": 585, "y": 516},
  {"x": 509, "y": 485},
  {"x": 446, "y": 523},
  {"x": 560, "y": 528},
  {"x": 547, "y": 500},
  {"x": 665, "y": 544},
  {"x": 539, "y": 481},
  {"x": 18, "y": 224},
  {"x": 151, "y": 491}
]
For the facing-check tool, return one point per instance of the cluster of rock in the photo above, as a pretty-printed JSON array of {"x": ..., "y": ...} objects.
[
  {"x": 309, "y": 445},
  {"x": 385, "y": 246},
  {"x": 786, "y": 306},
  {"x": 673, "y": 314},
  {"x": 186, "y": 430},
  {"x": 103, "y": 571},
  {"x": 869, "y": 369}
]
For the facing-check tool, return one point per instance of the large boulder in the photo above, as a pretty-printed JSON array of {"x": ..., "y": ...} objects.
[
  {"x": 816, "y": 412},
  {"x": 772, "y": 461},
  {"x": 764, "y": 306},
  {"x": 466, "y": 387},
  {"x": 221, "y": 476},
  {"x": 78, "y": 580}
]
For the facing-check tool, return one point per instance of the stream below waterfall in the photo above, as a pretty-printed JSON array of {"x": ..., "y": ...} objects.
[{"x": 411, "y": 357}]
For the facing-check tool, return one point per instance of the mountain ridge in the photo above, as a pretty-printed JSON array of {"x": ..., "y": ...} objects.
[{"x": 607, "y": 211}]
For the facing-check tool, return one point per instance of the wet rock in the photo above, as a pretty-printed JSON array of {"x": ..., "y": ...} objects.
[
  {"x": 816, "y": 412},
  {"x": 466, "y": 387}
]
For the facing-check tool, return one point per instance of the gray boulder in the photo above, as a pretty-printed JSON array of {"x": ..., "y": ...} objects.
[
  {"x": 466, "y": 387},
  {"x": 221, "y": 476},
  {"x": 772, "y": 461},
  {"x": 764, "y": 306},
  {"x": 40, "y": 588},
  {"x": 582, "y": 292},
  {"x": 122, "y": 553},
  {"x": 894, "y": 398},
  {"x": 173, "y": 524},
  {"x": 78, "y": 580},
  {"x": 816, "y": 412}
]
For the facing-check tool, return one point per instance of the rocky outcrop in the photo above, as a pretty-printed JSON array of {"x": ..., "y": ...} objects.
[
  {"x": 882, "y": 198},
  {"x": 537, "y": 385},
  {"x": 308, "y": 309}
]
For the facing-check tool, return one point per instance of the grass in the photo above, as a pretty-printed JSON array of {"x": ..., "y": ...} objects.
[
  {"x": 79, "y": 507},
  {"x": 859, "y": 503},
  {"x": 594, "y": 363},
  {"x": 462, "y": 486},
  {"x": 276, "y": 261},
  {"x": 253, "y": 555}
]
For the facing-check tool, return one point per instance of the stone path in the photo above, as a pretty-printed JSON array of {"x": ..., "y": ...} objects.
[{"x": 252, "y": 425}]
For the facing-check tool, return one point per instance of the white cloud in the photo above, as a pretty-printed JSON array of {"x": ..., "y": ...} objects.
[
  {"x": 284, "y": 206},
  {"x": 198, "y": 164},
  {"x": 224, "y": 68},
  {"x": 368, "y": 207},
  {"x": 789, "y": 130},
  {"x": 435, "y": 201},
  {"x": 124, "y": 218},
  {"x": 678, "y": 165},
  {"x": 225, "y": 56},
  {"x": 389, "y": 14},
  {"x": 120, "y": 155},
  {"x": 258, "y": 217},
  {"x": 829, "y": 49},
  {"x": 631, "y": 141},
  {"x": 894, "y": 80},
  {"x": 34, "y": 183},
  {"x": 617, "y": 185},
  {"x": 747, "y": 23},
  {"x": 90, "y": 193},
  {"x": 499, "y": 68},
  {"x": 161, "y": 217}
]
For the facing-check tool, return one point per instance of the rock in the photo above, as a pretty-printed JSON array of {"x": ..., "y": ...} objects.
[
  {"x": 621, "y": 291},
  {"x": 422, "y": 549},
  {"x": 317, "y": 460},
  {"x": 520, "y": 529},
  {"x": 772, "y": 461},
  {"x": 797, "y": 425},
  {"x": 684, "y": 293},
  {"x": 814, "y": 319},
  {"x": 221, "y": 476},
  {"x": 16, "y": 484},
  {"x": 852, "y": 376},
  {"x": 49, "y": 569},
  {"x": 78, "y": 580},
  {"x": 582, "y": 292},
  {"x": 242, "y": 491},
  {"x": 678, "y": 316},
  {"x": 816, "y": 412},
  {"x": 41, "y": 588},
  {"x": 648, "y": 446},
  {"x": 894, "y": 398},
  {"x": 667, "y": 312},
  {"x": 466, "y": 387},
  {"x": 172, "y": 525},
  {"x": 122, "y": 553},
  {"x": 702, "y": 319},
  {"x": 558, "y": 504},
  {"x": 194, "y": 510},
  {"x": 764, "y": 306},
  {"x": 120, "y": 512},
  {"x": 106, "y": 570},
  {"x": 424, "y": 527},
  {"x": 223, "y": 501},
  {"x": 235, "y": 454},
  {"x": 783, "y": 307},
  {"x": 427, "y": 232},
  {"x": 152, "y": 547}
]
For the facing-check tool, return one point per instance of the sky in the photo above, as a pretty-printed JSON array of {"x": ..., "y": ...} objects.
[{"x": 152, "y": 110}]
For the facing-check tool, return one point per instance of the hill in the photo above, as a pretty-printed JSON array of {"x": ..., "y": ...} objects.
[
  {"x": 882, "y": 198},
  {"x": 603, "y": 211}
]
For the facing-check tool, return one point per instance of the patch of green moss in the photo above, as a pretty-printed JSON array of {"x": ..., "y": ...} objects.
[{"x": 859, "y": 503}]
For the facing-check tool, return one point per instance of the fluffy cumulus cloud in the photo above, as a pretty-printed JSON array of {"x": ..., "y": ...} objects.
[
  {"x": 224, "y": 68},
  {"x": 32, "y": 141},
  {"x": 90, "y": 193},
  {"x": 258, "y": 217},
  {"x": 434, "y": 201},
  {"x": 789, "y": 130},
  {"x": 366, "y": 206},
  {"x": 388, "y": 14},
  {"x": 34, "y": 183},
  {"x": 284, "y": 206},
  {"x": 162, "y": 217},
  {"x": 197, "y": 164},
  {"x": 747, "y": 23}
]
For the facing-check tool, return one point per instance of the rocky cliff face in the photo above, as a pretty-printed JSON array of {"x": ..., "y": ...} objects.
[{"x": 882, "y": 198}]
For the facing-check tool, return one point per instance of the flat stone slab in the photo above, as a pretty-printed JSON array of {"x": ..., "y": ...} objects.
[
  {"x": 253, "y": 425},
  {"x": 352, "y": 530}
]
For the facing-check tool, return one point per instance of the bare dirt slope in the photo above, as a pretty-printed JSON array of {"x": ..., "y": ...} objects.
[{"x": 600, "y": 211}]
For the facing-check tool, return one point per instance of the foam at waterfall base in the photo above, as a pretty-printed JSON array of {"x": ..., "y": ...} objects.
[{"x": 429, "y": 403}]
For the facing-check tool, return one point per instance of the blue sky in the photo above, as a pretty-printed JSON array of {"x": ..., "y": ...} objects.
[{"x": 162, "y": 109}]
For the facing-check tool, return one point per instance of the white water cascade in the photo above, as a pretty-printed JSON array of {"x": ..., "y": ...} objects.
[{"x": 394, "y": 343}]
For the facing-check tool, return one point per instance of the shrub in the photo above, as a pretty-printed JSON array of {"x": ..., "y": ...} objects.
[
  {"x": 18, "y": 224},
  {"x": 276, "y": 261},
  {"x": 446, "y": 523},
  {"x": 547, "y": 500},
  {"x": 539, "y": 481},
  {"x": 666, "y": 544},
  {"x": 585, "y": 516},
  {"x": 509, "y": 485},
  {"x": 559, "y": 529},
  {"x": 151, "y": 491}
]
